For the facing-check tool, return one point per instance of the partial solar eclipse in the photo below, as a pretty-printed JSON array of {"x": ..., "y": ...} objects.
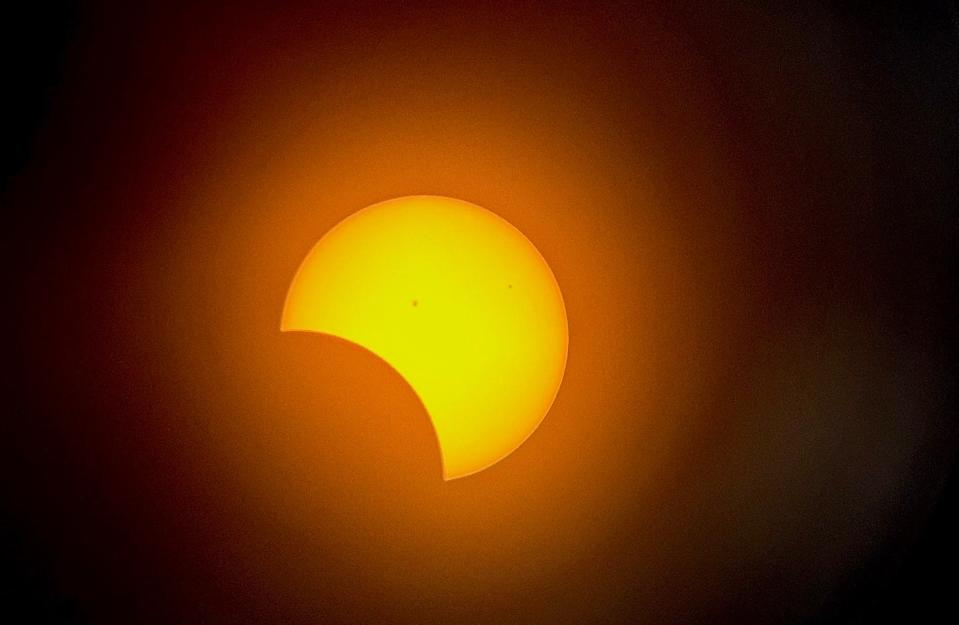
[{"x": 459, "y": 302}]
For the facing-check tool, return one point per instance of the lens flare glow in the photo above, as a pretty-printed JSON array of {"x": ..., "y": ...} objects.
[{"x": 455, "y": 299}]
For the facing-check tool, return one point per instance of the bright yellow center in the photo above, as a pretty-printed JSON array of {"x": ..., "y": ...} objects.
[{"x": 455, "y": 299}]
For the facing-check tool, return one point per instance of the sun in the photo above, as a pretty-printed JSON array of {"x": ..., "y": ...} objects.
[{"x": 456, "y": 300}]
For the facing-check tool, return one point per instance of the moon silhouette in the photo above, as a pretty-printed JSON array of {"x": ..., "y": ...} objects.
[{"x": 456, "y": 300}]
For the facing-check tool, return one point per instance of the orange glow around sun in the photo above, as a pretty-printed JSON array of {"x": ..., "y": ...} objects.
[
  {"x": 341, "y": 441},
  {"x": 455, "y": 299}
]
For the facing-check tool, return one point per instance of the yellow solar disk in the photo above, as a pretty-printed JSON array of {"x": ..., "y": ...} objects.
[{"x": 455, "y": 299}]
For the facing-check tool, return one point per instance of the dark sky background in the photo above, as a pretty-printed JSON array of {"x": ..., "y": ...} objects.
[{"x": 839, "y": 128}]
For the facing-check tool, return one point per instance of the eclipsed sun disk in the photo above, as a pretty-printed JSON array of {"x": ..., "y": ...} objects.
[{"x": 458, "y": 302}]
